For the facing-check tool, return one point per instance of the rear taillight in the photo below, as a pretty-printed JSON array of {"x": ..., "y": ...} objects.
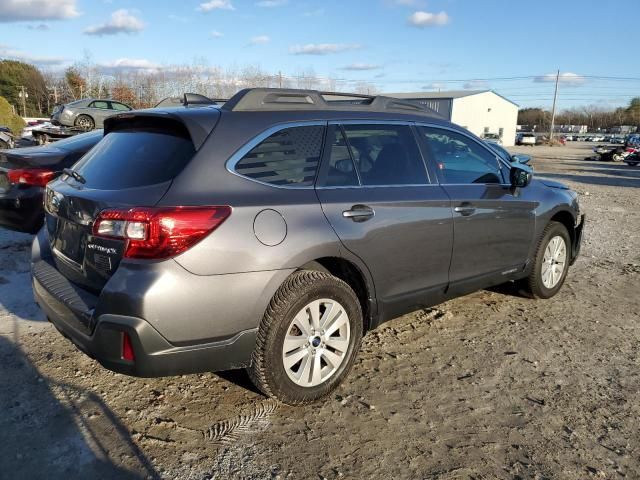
[
  {"x": 159, "y": 232},
  {"x": 37, "y": 177}
]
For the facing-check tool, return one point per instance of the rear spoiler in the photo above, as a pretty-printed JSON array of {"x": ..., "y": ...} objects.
[{"x": 198, "y": 122}]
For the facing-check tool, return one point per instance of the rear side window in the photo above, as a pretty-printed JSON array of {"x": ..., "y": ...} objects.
[
  {"x": 341, "y": 171},
  {"x": 119, "y": 106},
  {"x": 135, "y": 158},
  {"x": 289, "y": 157},
  {"x": 386, "y": 155},
  {"x": 99, "y": 104}
]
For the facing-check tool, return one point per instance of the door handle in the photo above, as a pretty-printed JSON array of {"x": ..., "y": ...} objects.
[
  {"x": 359, "y": 213},
  {"x": 465, "y": 209}
]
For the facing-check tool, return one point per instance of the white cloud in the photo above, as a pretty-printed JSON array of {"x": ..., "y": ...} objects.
[
  {"x": 566, "y": 78},
  {"x": 362, "y": 67},
  {"x": 476, "y": 85},
  {"x": 9, "y": 54},
  {"x": 128, "y": 64},
  {"x": 259, "y": 40},
  {"x": 428, "y": 19},
  {"x": 33, "y": 10},
  {"x": 216, "y": 34},
  {"x": 322, "y": 48},
  {"x": 122, "y": 21},
  {"x": 271, "y": 3},
  {"x": 40, "y": 26},
  {"x": 216, "y": 5}
]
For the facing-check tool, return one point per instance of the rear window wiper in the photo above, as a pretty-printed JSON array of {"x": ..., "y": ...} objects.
[{"x": 75, "y": 175}]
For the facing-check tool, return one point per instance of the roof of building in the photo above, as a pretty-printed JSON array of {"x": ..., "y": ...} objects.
[{"x": 447, "y": 94}]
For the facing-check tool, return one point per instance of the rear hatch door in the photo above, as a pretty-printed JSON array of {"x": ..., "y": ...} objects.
[{"x": 133, "y": 166}]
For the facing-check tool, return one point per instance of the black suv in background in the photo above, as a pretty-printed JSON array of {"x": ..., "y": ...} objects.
[
  {"x": 271, "y": 233},
  {"x": 24, "y": 173}
]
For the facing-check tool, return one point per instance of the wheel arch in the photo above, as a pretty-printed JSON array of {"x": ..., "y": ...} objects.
[
  {"x": 566, "y": 218},
  {"x": 351, "y": 274}
]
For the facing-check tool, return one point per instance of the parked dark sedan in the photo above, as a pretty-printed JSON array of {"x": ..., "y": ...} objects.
[{"x": 24, "y": 172}]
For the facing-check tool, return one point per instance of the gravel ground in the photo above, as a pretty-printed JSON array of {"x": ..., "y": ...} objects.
[{"x": 492, "y": 385}]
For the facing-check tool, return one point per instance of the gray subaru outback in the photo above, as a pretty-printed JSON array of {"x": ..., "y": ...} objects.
[{"x": 273, "y": 232}]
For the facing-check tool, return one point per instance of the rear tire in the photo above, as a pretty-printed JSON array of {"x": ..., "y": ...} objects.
[
  {"x": 295, "y": 361},
  {"x": 85, "y": 122},
  {"x": 551, "y": 263}
]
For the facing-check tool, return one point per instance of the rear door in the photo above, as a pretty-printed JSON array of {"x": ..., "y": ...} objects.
[
  {"x": 377, "y": 195},
  {"x": 100, "y": 110},
  {"x": 129, "y": 167},
  {"x": 493, "y": 224}
]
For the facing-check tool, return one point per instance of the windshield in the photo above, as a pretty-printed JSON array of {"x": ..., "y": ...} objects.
[{"x": 504, "y": 154}]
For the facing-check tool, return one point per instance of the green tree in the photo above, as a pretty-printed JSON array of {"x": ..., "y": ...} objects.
[
  {"x": 633, "y": 111},
  {"x": 13, "y": 76},
  {"x": 76, "y": 82},
  {"x": 8, "y": 118},
  {"x": 533, "y": 116}
]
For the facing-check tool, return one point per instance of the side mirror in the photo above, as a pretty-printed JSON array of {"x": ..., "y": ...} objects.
[
  {"x": 521, "y": 158},
  {"x": 520, "y": 175}
]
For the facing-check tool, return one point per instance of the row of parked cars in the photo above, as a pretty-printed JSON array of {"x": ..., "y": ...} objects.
[{"x": 273, "y": 231}]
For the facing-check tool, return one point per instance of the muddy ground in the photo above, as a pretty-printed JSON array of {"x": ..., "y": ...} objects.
[{"x": 492, "y": 385}]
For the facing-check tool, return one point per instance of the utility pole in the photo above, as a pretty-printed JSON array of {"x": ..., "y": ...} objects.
[
  {"x": 553, "y": 110},
  {"x": 280, "y": 79},
  {"x": 23, "y": 94}
]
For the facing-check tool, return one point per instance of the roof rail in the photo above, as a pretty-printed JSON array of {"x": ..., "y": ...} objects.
[
  {"x": 189, "y": 99},
  {"x": 280, "y": 99},
  {"x": 197, "y": 99}
]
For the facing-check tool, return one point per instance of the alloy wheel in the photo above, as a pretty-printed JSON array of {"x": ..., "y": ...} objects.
[
  {"x": 554, "y": 261},
  {"x": 316, "y": 342}
]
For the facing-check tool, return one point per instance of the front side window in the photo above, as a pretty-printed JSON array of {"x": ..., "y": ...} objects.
[
  {"x": 99, "y": 105},
  {"x": 289, "y": 157},
  {"x": 460, "y": 159},
  {"x": 386, "y": 155}
]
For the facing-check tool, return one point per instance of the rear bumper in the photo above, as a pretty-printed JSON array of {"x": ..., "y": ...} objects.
[
  {"x": 178, "y": 322},
  {"x": 21, "y": 209},
  {"x": 577, "y": 238},
  {"x": 154, "y": 355}
]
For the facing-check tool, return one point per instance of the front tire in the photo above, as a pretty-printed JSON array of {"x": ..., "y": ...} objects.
[
  {"x": 308, "y": 338},
  {"x": 551, "y": 262}
]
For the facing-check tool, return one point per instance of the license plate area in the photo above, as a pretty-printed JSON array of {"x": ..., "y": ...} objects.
[{"x": 69, "y": 241}]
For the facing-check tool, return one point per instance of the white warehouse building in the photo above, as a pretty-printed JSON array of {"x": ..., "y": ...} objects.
[{"x": 479, "y": 111}]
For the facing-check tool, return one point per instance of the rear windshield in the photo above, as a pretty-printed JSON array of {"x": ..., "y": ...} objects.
[{"x": 135, "y": 158}]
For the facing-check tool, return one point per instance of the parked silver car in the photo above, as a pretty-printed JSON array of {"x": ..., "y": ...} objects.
[{"x": 88, "y": 113}]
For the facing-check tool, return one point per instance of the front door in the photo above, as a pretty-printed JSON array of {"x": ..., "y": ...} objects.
[
  {"x": 493, "y": 224},
  {"x": 376, "y": 194}
]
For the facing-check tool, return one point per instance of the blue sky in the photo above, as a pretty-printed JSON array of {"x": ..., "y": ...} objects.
[{"x": 396, "y": 45}]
